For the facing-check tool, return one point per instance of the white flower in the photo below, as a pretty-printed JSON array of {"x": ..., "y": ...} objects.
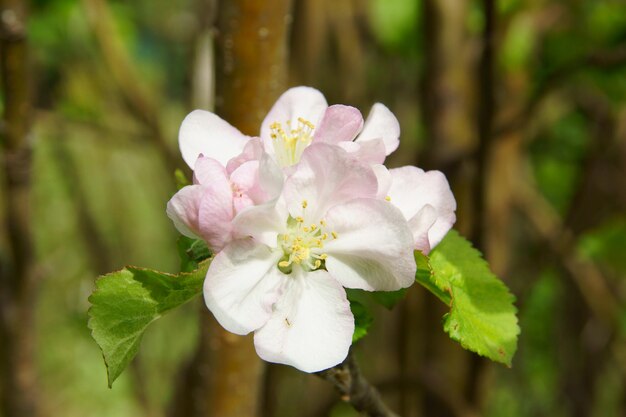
[{"x": 283, "y": 277}]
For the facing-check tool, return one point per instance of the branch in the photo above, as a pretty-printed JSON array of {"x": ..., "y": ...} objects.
[
  {"x": 355, "y": 389},
  {"x": 604, "y": 59},
  {"x": 18, "y": 289},
  {"x": 129, "y": 82},
  {"x": 586, "y": 275}
]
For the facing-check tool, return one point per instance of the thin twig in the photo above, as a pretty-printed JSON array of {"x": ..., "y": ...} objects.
[
  {"x": 129, "y": 82},
  {"x": 355, "y": 389}
]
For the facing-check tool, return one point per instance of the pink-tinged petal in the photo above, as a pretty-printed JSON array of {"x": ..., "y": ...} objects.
[
  {"x": 246, "y": 183},
  {"x": 263, "y": 222},
  {"x": 305, "y": 102},
  {"x": 370, "y": 151},
  {"x": 251, "y": 152},
  {"x": 326, "y": 175},
  {"x": 412, "y": 189},
  {"x": 311, "y": 327},
  {"x": 340, "y": 123},
  {"x": 205, "y": 133},
  {"x": 242, "y": 284},
  {"x": 207, "y": 170},
  {"x": 271, "y": 176},
  {"x": 383, "y": 176},
  {"x": 216, "y": 213},
  {"x": 381, "y": 124},
  {"x": 373, "y": 247},
  {"x": 183, "y": 209}
]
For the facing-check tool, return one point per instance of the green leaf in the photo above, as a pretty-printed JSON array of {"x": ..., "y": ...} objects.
[
  {"x": 362, "y": 320},
  {"x": 424, "y": 275},
  {"x": 181, "y": 179},
  {"x": 191, "y": 253},
  {"x": 482, "y": 316},
  {"x": 125, "y": 302}
]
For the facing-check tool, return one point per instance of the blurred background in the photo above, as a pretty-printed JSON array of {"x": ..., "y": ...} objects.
[{"x": 521, "y": 103}]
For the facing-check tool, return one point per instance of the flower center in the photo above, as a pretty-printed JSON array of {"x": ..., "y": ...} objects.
[
  {"x": 289, "y": 143},
  {"x": 303, "y": 245}
]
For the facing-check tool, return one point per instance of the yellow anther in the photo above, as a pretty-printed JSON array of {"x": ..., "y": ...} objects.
[
  {"x": 322, "y": 223},
  {"x": 323, "y": 256},
  {"x": 324, "y": 236},
  {"x": 318, "y": 263},
  {"x": 299, "y": 219},
  {"x": 388, "y": 198},
  {"x": 304, "y": 203},
  {"x": 306, "y": 229},
  {"x": 313, "y": 226},
  {"x": 335, "y": 235}
]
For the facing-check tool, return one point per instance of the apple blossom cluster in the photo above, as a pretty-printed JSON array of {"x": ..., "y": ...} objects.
[{"x": 301, "y": 212}]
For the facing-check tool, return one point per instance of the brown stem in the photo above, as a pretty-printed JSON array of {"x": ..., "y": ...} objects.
[
  {"x": 251, "y": 71},
  {"x": 355, "y": 389},
  {"x": 17, "y": 275}
]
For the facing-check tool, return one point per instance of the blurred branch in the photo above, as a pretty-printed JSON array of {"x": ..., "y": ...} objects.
[
  {"x": 589, "y": 279},
  {"x": 18, "y": 396},
  {"x": 603, "y": 59},
  {"x": 129, "y": 82},
  {"x": 355, "y": 389},
  {"x": 97, "y": 250}
]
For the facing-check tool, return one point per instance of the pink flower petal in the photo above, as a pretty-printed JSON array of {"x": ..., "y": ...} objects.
[
  {"x": 373, "y": 247},
  {"x": 311, "y": 327},
  {"x": 205, "y": 133},
  {"x": 381, "y": 124},
  {"x": 183, "y": 209},
  {"x": 253, "y": 151},
  {"x": 326, "y": 176},
  {"x": 215, "y": 214},
  {"x": 207, "y": 170},
  {"x": 340, "y": 123},
  {"x": 242, "y": 284}
]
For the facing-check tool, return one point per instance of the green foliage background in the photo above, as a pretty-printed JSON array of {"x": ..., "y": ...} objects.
[{"x": 101, "y": 184}]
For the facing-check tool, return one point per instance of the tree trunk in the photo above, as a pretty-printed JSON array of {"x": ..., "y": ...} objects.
[{"x": 17, "y": 273}]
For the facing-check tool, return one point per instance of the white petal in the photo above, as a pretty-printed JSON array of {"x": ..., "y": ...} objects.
[
  {"x": 383, "y": 176},
  {"x": 242, "y": 284},
  {"x": 305, "y": 102},
  {"x": 381, "y": 123},
  {"x": 183, "y": 209},
  {"x": 263, "y": 222},
  {"x": 373, "y": 249},
  {"x": 412, "y": 189},
  {"x": 205, "y": 133},
  {"x": 371, "y": 151},
  {"x": 271, "y": 176},
  {"x": 312, "y": 325},
  {"x": 327, "y": 175},
  {"x": 420, "y": 224}
]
